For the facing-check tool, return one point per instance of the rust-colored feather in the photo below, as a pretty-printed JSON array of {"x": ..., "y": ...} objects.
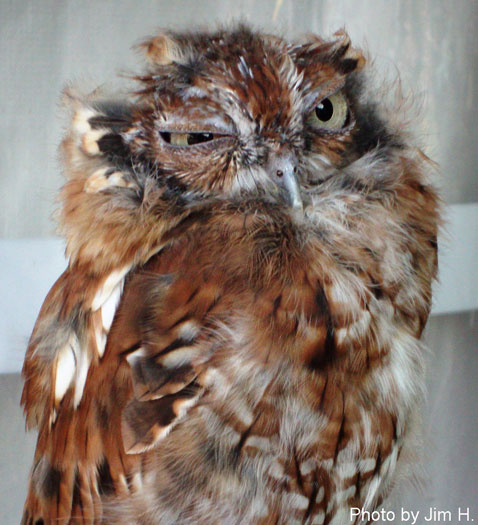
[{"x": 236, "y": 338}]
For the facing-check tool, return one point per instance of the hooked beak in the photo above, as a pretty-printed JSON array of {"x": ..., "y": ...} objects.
[{"x": 283, "y": 171}]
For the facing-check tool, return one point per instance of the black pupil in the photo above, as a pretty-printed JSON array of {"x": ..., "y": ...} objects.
[
  {"x": 197, "y": 138},
  {"x": 324, "y": 110}
]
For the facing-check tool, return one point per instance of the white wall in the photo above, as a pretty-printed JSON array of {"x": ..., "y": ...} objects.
[{"x": 45, "y": 43}]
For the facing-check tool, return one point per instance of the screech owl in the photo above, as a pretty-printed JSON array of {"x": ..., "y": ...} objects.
[{"x": 236, "y": 339}]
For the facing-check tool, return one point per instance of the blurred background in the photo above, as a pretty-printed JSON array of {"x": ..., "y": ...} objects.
[{"x": 432, "y": 43}]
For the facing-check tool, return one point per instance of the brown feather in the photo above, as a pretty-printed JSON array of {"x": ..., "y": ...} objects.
[{"x": 211, "y": 354}]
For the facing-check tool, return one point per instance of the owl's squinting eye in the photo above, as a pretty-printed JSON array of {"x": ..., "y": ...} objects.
[
  {"x": 188, "y": 139},
  {"x": 332, "y": 113}
]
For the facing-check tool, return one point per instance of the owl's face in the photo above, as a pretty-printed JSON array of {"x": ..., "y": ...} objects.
[{"x": 238, "y": 113}]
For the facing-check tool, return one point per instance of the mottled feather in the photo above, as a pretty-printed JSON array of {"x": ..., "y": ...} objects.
[{"x": 251, "y": 246}]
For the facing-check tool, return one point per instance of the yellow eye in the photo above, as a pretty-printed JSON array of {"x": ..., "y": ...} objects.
[
  {"x": 186, "y": 139},
  {"x": 331, "y": 113}
]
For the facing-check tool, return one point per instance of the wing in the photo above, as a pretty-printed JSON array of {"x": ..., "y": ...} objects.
[
  {"x": 105, "y": 410},
  {"x": 78, "y": 384}
]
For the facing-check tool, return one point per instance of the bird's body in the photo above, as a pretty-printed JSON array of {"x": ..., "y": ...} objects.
[{"x": 236, "y": 337}]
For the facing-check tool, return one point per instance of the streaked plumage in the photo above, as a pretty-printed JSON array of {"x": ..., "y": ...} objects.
[{"x": 236, "y": 338}]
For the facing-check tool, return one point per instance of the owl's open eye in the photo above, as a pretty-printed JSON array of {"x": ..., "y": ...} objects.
[
  {"x": 187, "y": 139},
  {"x": 332, "y": 113}
]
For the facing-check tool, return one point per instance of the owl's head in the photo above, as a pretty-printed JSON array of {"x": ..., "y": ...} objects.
[
  {"x": 237, "y": 112},
  {"x": 233, "y": 115}
]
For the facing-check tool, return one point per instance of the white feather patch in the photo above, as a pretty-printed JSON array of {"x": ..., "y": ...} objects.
[
  {"x": 90, "y": 140},
  {"x": 343, "y": 496},
  {"x": 367, "y": 465},
  {"x": 102, "y": 179},
  {"x": 53, "y": 416},
  {"x": 183, "y": 405},
  {"x": 100, "y": 338},
  {"x": 372, "y": 492},
  {"x": 188, "y": 330},
  {"x": 241, "y": 411},
  {"x": 80, "y": 120},
  {"x": 259, "y": 442},
  {"x": 259, "y": 508},
  {"x": 297, "y": 501},
  {"x": 136, "y": 355},
  {"x": 109, "y": 307},
  {"x": 307, "y": 466},
  {"x": 179, "y": 357},
  {"x": 346, "y": 470},
  {"x": 82, "y": 366},
  {"x": 104, "y": 292},
  {"x": 276, "y": 470},
  {"x": 66, "y": 367}
]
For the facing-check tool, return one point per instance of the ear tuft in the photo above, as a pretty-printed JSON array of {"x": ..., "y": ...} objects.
[
  {"x": 351, "y": 58},
  {"x": 163, "y": 50},
  {"x": 311, "y": 49}
]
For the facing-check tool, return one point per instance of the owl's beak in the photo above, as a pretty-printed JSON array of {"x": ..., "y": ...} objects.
[{"x": 283, "y": 171}]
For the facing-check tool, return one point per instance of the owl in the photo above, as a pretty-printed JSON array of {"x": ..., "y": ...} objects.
[{"x": 251, "y": 244}]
